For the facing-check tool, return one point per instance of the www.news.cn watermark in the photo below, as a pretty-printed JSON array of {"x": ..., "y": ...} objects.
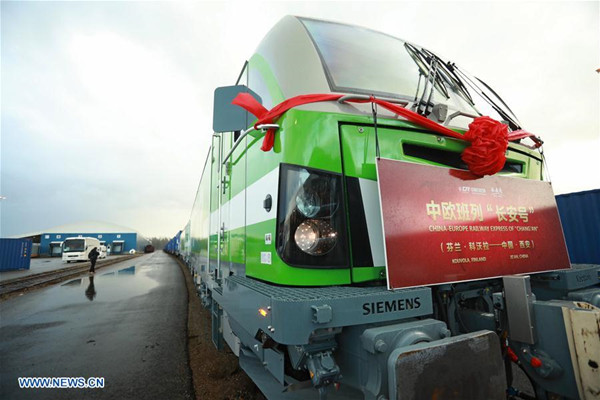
[{"x": 61, "y": 383}]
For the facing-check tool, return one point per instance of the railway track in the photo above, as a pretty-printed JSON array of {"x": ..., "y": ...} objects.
[{"x": 13, "y": 286}]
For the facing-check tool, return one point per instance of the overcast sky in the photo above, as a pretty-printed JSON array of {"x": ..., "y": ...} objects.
[{"x": 106, "y": 108}]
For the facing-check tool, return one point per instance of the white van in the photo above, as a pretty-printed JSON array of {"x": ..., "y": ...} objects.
[
  {"x": 103, "y": 251},
  {"x": 78, "y": 248}
]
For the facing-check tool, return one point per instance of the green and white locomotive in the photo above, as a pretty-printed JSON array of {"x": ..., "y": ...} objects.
[{"x": 287, "y": 245}]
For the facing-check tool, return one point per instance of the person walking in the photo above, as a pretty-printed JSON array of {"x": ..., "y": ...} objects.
[{"x": 93, "y": 256}]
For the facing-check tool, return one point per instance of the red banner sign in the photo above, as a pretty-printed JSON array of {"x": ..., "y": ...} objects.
[{"x": 445, "y": 225}]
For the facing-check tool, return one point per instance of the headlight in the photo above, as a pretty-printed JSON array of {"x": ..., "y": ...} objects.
[
  {"x": 311, "y": 223},
  {"x": 316, "y": 197},
  {"x": 308, "y": 203},
  {"x": 315, "y": 237}
]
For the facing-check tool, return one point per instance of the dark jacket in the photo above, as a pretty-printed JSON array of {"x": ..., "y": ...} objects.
[{"x": 93, "y": 254}]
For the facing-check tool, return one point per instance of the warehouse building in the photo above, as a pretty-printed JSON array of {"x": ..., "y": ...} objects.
[{"x": 118, "y": 239}]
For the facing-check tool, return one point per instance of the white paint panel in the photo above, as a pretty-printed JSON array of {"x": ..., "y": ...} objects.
[
  {"x": 370, "y": 197},
  {"x": 237, "y": 207},
  {"x": 255, "y": 195}
]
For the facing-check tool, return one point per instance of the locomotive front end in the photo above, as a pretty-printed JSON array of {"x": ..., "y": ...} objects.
[{"x": 322, "y": 271}]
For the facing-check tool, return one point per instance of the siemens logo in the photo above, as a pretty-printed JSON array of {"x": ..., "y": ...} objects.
[{"x": 381, "y": 307}]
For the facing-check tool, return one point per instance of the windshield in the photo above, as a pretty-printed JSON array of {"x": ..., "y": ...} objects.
[
  {"x": 360, "y": 60},
  {"x": 72, "y": 245}
]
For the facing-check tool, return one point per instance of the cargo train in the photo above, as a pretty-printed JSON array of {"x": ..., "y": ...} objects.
[
  {"x": 289, "y": 242},
  {"x": 172, "y": 247}
]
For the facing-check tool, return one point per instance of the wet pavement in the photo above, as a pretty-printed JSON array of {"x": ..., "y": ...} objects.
[
  {"x": 126, "y": 324},
  {"x": 46, "y": 264}
]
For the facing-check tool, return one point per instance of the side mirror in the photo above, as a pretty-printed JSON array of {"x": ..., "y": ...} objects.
[{"x": 226, "y": 116}]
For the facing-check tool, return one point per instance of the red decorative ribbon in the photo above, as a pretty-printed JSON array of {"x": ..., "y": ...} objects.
[{"x": 489, "y": 138}]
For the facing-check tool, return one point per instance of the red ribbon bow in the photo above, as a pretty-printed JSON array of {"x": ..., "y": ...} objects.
[{"x": 489, "y": 138}]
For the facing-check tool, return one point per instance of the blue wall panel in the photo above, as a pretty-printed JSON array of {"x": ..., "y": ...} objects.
[
  {"x": 580, "y": 218},
  {"x": 129, "y": 239},
  {"x": 15, "y": 254}
]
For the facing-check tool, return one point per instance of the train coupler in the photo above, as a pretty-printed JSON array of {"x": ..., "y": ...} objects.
[{"x": 323, "y": 371}]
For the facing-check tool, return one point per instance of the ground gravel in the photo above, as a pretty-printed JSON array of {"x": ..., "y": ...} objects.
[{"x": 215, "y": 374}]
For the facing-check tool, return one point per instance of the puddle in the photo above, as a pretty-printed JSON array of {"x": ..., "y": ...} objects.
[
  {"x": 114, "y": 285},
  {"x": 124, "y": 271},
  {"x": 82, "y": 294},
  {"x": 74, "y": 282},
  {"x": 106, "y": 286}
]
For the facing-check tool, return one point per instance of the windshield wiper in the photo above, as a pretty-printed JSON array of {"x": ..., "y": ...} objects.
[
  {"x": 458, "y": 83},
  {"x": 448, "y": 73},
  {"x": 512, "y": 121},
  {"x": 445, "y": 77},
  {"x": 428, "y": 66},
  {"x": 499, "y": 98}
]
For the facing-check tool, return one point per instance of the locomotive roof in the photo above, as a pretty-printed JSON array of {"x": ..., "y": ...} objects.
[
  {"x": 301, "y": 53},
  {"x": 302, "y": 56},
  {"x": 293, "y": 58}
]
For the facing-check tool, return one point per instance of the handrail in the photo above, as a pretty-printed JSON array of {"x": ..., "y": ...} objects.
[
  {"x": 347, "y": 97},
  {"x": 262, "y": 127},
  {"x": 343, "y": 99},
  {"x": 456, "y": 114}
]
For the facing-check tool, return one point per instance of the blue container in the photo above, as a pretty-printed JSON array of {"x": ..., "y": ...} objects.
[
  {"x": 173, "y": 245},
  {"x": 15, "y": 254},
  {"x": 177, "y": 243},
  {"x": 580, "y": 218}
]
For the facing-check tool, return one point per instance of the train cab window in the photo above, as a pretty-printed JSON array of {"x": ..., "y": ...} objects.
[
  {"x": 360, "y": 60},
  {"x": 347, "y": 52}
]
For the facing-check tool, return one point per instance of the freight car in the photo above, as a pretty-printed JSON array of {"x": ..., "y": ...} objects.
[
  {"x": 291, "y": 242},
  {"x": 173, "y": 245}
]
